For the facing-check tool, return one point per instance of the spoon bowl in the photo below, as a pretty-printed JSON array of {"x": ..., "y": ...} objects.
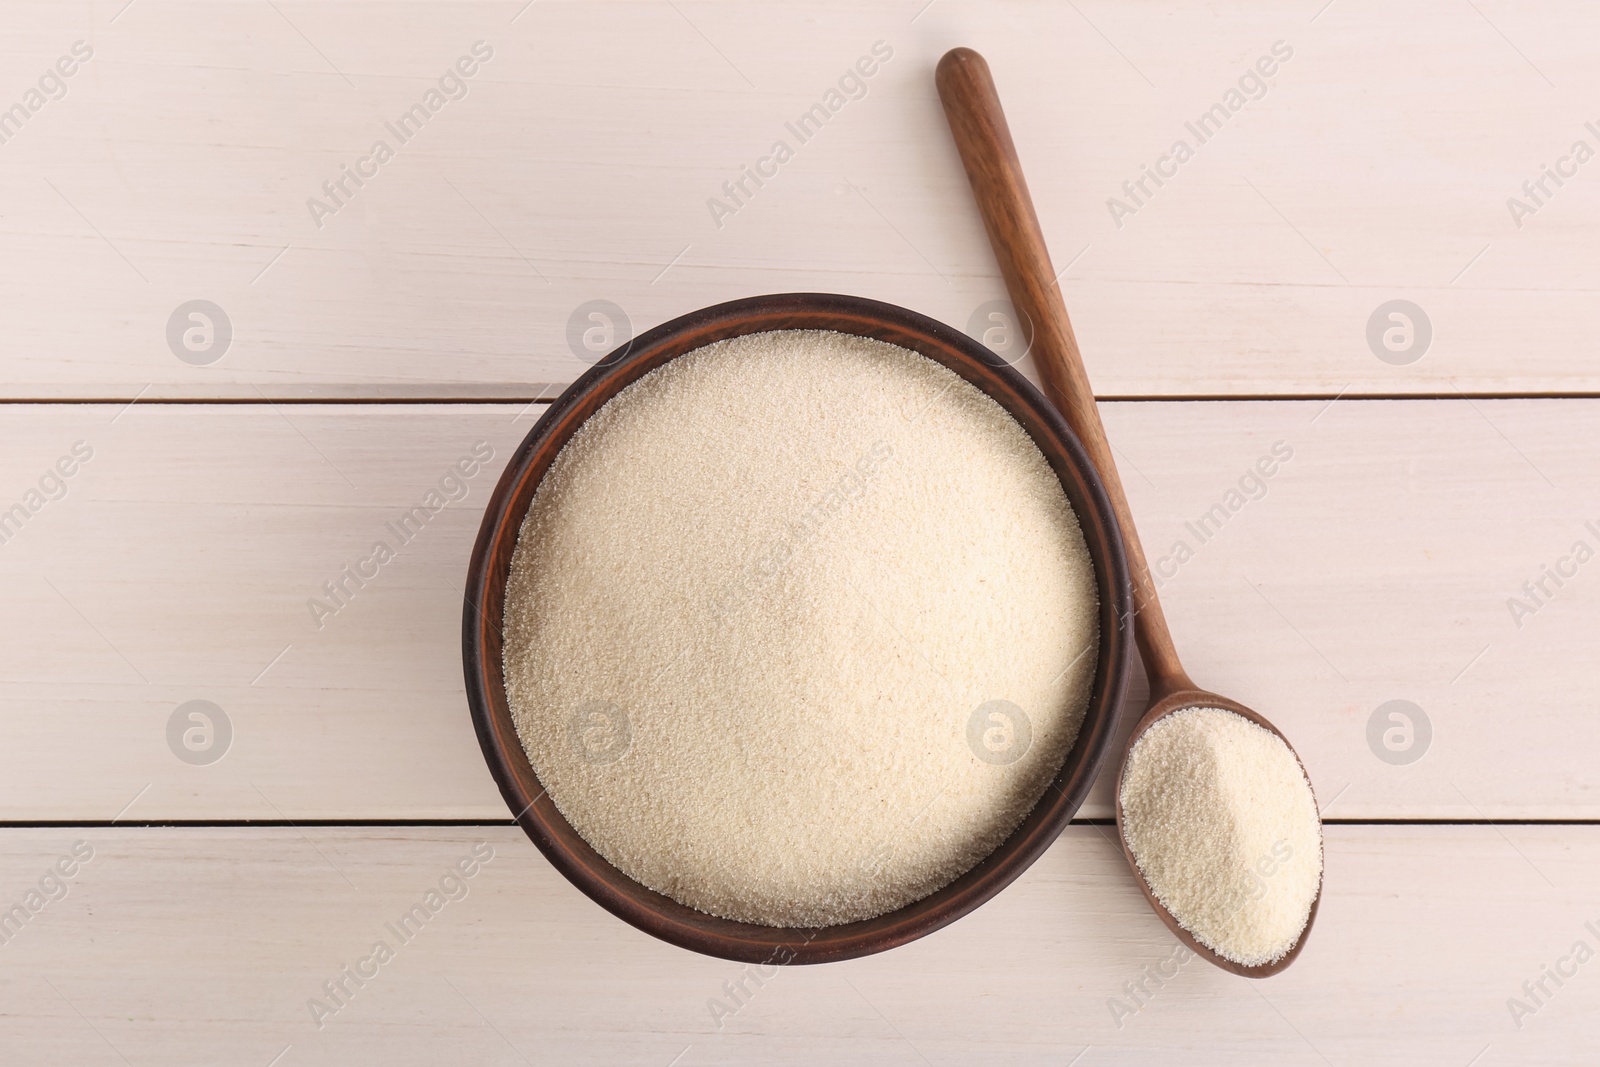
[
  {"x": 983, "y": 139},
  {"x": 1187, "y": 696}
]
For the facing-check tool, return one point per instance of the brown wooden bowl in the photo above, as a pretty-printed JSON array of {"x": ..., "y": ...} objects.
[{"x": 481, "y": 638}]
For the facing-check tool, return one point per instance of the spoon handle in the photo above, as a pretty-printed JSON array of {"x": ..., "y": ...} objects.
[{"x": 983, "y": 139}]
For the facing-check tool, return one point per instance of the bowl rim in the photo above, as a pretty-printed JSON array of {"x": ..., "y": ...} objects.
[{"x": 483, "y": 606}]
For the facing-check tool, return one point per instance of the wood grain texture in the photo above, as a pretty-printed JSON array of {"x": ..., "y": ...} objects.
[
  {"x": 1378, "y": 565},
  {"x": 580, "y": 163},
  {"x": 1425, "y": 934}
]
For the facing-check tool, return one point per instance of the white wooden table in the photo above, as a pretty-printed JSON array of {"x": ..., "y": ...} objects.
[{"x": 1220, "y": 312}]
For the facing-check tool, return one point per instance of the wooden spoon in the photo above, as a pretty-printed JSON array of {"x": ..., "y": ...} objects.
[{"x": 972, "y": 107}]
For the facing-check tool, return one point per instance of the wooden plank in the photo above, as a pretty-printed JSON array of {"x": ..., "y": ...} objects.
[
  {"x": 1377, "y": 566},
  {"x": 581, "y": 161},
  {"x": 160, "y": 578},
  {"x": 1424, "y": 934}
]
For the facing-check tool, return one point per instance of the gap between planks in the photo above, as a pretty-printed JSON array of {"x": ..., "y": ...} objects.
[
  {"x": 184, "y": 824},
  {"x": 549, "y": 398}
]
